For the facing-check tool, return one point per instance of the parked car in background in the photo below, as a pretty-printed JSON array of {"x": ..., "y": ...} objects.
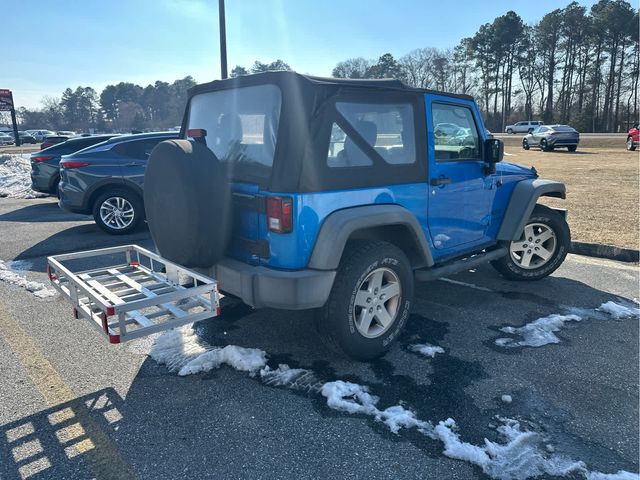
[
  {"x": 45, "y": 164},
  {"x": 40, "y": 135},
  {"x": 552, "y": 136},
  {"x": 446, "y": 129},
  {"x": 6, "y": 139},
  {"x": 66, "y": 133},
  {"x": 633, "y": 138},
  {"x": 51, "y": 140},
  {"x": 24, "y": 137},
  {"x": 523, "y": 127},
  {"x": 106, "y": 180}
]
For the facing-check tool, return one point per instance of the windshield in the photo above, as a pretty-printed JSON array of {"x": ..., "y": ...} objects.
[{"x": 241, "y": 125}]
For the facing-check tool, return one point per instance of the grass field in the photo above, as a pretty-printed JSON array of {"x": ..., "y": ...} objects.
[{"x": 603, "y": 187}]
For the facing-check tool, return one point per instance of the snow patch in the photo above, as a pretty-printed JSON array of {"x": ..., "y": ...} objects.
[
  {"x": 15, "y": 177},
  {"x": 8, "y": 275},
  {"x": 520, "y": 457},
  {"x": 426, "y": 349},
  {"x": 182, "y": 351},
  {"x": 537, "y": 333},
  {"x": 283, "y": 375},
  {"x": 240, "y": 358},
  {"x": 619, "y": 311},
  {"x": 620, "y": 475}
]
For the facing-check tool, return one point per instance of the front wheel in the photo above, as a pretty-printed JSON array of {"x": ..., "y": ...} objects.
[
  {"x": 630, "y": 145},
  {"x": 370, "y": 300},
  {"x": 118, "y": 211},
  {"x": 509, "y": 131},
  {"x": 525, "y": 144},
  {"x": 541, "y": 248}
]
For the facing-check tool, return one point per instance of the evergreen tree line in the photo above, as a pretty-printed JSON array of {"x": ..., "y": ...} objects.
[
  {"x": 573, "y": 66},
  {"x": 120, "y": 108}
]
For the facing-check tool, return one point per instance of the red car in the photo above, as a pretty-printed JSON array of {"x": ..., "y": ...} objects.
[{"x": 633, "y": 138}]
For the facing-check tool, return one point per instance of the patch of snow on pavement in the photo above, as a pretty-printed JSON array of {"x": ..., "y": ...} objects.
[
  {"x": 537, "y": 333},
  {"x": 519, "y": 458},
  {"x": 619, "y": 311},
  {"x": 426, "y": 349},
  {"x": 40, "y": 290},
  {"x": 240, "y": 358},
  {"x": 15, "y": 177},
  {"x": 620, "y": 475}
]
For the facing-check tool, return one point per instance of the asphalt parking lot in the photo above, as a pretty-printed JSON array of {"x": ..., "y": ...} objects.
[{"x": 73, "y": 406}]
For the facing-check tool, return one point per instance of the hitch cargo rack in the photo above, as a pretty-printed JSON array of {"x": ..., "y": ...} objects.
[{"x": 137, "y": 293}]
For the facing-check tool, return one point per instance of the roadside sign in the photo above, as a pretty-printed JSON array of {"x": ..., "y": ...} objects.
[{"x": 6, "y": 100}]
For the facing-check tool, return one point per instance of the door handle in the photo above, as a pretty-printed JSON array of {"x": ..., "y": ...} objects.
[{"x": 436, "y": 182}]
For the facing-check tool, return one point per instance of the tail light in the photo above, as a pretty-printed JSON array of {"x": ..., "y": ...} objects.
[
  {"x": 41, "y": 158},
  {"x": 279, "y": 214},
  {"x": 71, "y": 164}
]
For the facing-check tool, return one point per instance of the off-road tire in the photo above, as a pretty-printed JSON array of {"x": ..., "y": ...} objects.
[
  {"x": 572, "y": 148},
  {"x": 132, "y": 198},
  {"x": 630, "y": 145},
  {"x": 553, "y": 220},
  {"x": 336, "y": 322},
  {"x": 525, "y": 144}
]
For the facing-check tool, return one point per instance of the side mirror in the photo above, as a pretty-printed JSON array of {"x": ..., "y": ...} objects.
[{"x": 493, "y": 153}]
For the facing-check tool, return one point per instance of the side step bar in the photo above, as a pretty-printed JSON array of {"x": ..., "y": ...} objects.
[{"x": 429, "y": 274}]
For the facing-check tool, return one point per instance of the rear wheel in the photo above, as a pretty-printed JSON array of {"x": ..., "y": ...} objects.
[
  {"x": 370, "y": 300},
  {"x": 572, "y": 148},
  {"x": 630, "y": 145},
  {"x": 118, "y": 211},
  {"x": 541, "y": 248},
  {"x": 544, "y": 146},
  {"x": 525, "y": 144}
]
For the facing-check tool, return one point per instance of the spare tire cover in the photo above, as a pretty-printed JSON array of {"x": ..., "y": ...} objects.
[{"x": 186, "y": 198}]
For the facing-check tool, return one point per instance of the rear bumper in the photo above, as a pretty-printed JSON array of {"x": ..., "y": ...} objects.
[
  {"x": 564, "y": 142},
  {"x": 263, "y": 287}
]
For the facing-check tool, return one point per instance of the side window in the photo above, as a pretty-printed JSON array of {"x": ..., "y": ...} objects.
[
  {"x": 387, "y": 128},
  {"x": 140, "y": 150},
  {"x": 455, "y": 135},
  {"x": 520, "y": 124}
]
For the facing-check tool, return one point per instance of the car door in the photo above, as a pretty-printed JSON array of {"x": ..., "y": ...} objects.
[
  {"x": 461, "y": 194},
  {"x": 135, "y": 155},
  {"x": 520, "y": 127},
  {"x": 536, "y": 135}
]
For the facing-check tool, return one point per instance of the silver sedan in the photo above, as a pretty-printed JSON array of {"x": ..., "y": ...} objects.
[{"x": 548, "y": 137}]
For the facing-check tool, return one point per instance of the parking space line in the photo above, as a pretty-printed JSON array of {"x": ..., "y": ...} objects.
[{"x": 97, "y": 449}]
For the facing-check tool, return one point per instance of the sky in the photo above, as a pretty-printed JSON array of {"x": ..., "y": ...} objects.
[{"x": 66, "y": 43}]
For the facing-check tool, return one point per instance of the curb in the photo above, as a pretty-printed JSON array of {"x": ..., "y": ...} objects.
[{"x": 610, "y": 252}]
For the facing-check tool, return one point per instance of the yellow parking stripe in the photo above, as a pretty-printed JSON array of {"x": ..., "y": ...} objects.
[{"x": 97, "y": 448}]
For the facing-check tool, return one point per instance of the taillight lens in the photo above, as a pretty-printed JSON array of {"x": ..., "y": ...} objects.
[
  {"x": 279, "y": 214},
  {"x": 41, "y": 158},
  {"x": 70, "y": 164}
]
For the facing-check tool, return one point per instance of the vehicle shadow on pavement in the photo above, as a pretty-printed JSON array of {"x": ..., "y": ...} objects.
[
  {"x": 62, "y": 441},
  {"x": 41, "y": 212},
  {"x": 79, "y": 238}
]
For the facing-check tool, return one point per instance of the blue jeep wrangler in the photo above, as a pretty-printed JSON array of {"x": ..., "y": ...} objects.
[{"x": 298, "y": 192}]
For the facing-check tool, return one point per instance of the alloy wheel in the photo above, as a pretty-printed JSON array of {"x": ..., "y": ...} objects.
[
  {"x": 535, "y": 247},
  {"x": 117, "y": 213},
  {"x": 377, "y": 302}
]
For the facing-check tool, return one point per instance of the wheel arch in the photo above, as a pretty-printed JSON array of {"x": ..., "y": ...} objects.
[
  {"x": 109, "y": 185},
  {"x": 390, "y": 223},
  {"x": 522, "y": 202}
]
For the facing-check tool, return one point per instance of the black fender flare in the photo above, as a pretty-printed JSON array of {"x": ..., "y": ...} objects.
[
  {"x": 338, "y": 227},
  {"x": 522, "y": 202}
]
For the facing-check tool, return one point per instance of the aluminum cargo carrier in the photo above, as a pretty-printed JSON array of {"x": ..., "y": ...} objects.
[{"x": 134, "y": 292}]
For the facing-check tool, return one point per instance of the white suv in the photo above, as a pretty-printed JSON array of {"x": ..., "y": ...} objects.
[{"x": 523, "y": 127}]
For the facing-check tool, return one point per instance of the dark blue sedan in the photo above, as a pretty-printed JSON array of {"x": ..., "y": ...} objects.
[{"x": 106, "y": 180}]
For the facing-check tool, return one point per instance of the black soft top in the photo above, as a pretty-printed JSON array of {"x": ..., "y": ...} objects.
[
  {"x": 306, "y": 82},
  {"x": 306, "y": 117}
]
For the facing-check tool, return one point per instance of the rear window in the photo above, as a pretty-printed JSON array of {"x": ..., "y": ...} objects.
[
  {"x": 563, "y": 128},
  {"x": 242, "y": 127}
]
